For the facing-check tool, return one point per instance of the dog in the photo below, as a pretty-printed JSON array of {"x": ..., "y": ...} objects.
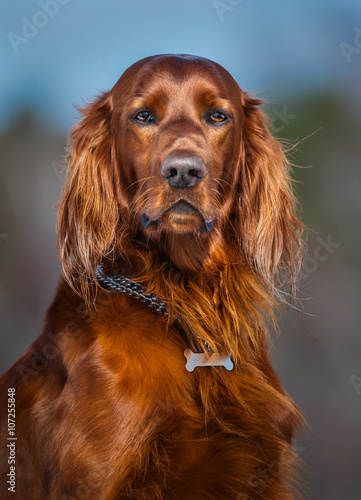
[{"x": 177, "y": 231}]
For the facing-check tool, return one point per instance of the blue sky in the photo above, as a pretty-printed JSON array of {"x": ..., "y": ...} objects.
[{"x": 276, "y": 49}]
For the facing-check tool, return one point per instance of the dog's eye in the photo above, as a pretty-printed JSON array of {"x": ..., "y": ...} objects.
[
  {"x": 217, "y": 117},
  {"x": 144, "y": 117}
]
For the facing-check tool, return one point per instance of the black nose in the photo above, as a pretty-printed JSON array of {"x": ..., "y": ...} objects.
[{"x": 183, "y": 171}]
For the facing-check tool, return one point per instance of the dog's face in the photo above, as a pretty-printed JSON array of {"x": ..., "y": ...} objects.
[{"x": 178, "y": 134}]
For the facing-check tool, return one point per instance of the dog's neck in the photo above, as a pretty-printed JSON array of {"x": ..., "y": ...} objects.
[{"x": 217, "y": 298}]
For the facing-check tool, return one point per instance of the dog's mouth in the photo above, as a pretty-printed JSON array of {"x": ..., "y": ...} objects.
[{"x": 183, "y": 216}]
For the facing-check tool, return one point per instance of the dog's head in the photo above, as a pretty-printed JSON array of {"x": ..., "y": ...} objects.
[{"x": 178, "y": 156}]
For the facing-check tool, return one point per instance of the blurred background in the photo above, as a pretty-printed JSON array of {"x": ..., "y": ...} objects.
[{"x": 304, "y": 59}]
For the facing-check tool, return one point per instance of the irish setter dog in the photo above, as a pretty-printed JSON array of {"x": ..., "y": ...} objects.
[{"x": 177, "y": 198}]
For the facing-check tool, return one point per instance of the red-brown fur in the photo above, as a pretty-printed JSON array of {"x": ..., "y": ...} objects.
[{"x": 105, "y": 408}]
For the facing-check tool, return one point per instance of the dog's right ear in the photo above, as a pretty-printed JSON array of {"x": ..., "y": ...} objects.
[{"x": 88, "y": 208}]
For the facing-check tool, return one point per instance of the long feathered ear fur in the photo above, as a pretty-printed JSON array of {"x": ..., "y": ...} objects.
[
  {"x": 88, "y": 208},
  {"x": 270, "y": 229}
]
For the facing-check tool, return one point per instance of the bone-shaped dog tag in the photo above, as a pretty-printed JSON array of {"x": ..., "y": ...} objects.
[{"x": 207, "y": 359}]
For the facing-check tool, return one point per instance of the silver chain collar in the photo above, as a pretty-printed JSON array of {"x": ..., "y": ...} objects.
[{"x": 132, "y": 288}]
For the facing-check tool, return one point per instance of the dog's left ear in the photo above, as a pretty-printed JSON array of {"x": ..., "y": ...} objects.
[
  {"x": 270, "y": 229},
  {"x": 88, "y": 208}
]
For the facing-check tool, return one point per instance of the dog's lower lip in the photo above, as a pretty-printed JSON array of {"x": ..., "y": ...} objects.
[{"x": 181, "y": 207}]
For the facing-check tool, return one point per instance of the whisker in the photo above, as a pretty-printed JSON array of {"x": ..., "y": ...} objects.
[
  {"x": 138, "y": 199},
  {"x": 143, "y": 179},
  {"x": 219, "y": 180}
]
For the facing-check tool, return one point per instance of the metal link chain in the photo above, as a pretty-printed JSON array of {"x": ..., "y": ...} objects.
[{"x": 131, "y": 288}]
